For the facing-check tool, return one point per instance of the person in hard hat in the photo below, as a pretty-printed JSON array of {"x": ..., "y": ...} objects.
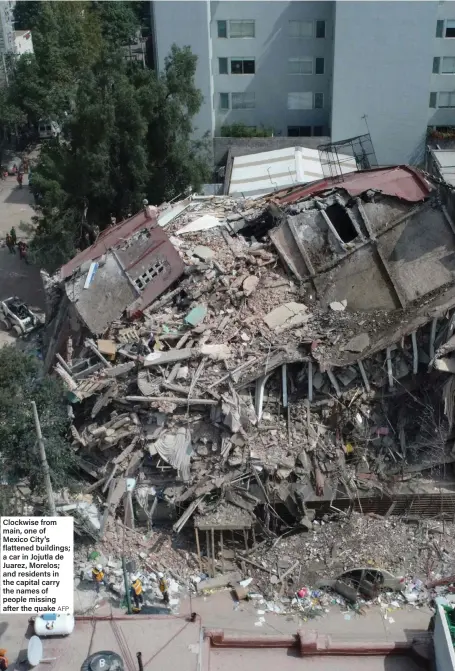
[
  {"x": 136, "y": 592},
  {"x": 98, "y": 576},
  {"x": 164, "y": 587},
  {"x": 3, "y": 660}
]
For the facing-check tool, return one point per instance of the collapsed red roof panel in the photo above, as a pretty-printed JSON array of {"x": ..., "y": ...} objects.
[
  {"x": 109, "y": 238},
  {"x": 400, "y": 181}
]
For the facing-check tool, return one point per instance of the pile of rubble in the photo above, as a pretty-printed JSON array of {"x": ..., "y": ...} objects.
[{"x": 242, "y": 368}]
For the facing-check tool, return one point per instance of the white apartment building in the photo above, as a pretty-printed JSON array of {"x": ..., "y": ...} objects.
[{"x": 318, "y": 68}]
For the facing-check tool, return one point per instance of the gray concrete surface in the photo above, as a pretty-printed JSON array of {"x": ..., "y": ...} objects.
[
  {"x": 289, "y": 660},
  {"x": 16, "y": 205}
]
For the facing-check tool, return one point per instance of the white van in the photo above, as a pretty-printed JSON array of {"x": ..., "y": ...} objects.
[{"x": 48, "y": 129}]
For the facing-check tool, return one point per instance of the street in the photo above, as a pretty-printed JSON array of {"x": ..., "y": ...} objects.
[{"x": 16, "y": 277}]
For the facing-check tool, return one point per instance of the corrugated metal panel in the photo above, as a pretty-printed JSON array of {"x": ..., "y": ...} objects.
[
  {"x": 400, "y": 181},
  {"x": 270, "y": 170}
]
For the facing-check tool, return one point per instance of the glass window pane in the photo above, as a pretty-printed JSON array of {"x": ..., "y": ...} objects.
[
  {"x": 248, "y": 67},
  {"x": 448, "y": 65},
  {"x": 318, "y": 100},
  {"x": 243, "y": 101},
  {"x": 224, "y": 101},
  {"x": 450, "y": 28},
  {"x": 222, "y": 29},
  {"x": 319, "y": 66},
  {"x": 236, "y": 67},
  {"x": 439, "y": 28},
  {"x": 301, "y": 28},
  {"x": 305, "y": 131},
  {"x": 436, "y": 65},
  {"x": 293, "y": 131},
  {"x": 318, "y": 131},
  {"x": 320, "y": 28},
  {"x": 300, "y": 100},
  {"x": 443, "y": 99},
  {"x": 241, "y": 28},
  {"x": 223, "y": 66},
  {"x": 300, "y": 66},
  {"x": 433, "y": 100}
]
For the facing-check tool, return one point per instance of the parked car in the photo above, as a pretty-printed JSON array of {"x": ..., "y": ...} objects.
[
  {"x": 48, "y": 129},
  {"x": 13, "y": 161},
  {"x": 16, "y": 315}
]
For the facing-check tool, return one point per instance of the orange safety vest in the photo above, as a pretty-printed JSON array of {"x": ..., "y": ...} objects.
[
  {"x": 98, "y": 575},
  {"x": 137, "y": 587},
  {"x": 3, "y": 663}
]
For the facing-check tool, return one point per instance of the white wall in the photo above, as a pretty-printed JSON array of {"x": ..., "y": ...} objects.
[
  {"x": 383, "y": 56},
  {"x": 443, "y": 646}
]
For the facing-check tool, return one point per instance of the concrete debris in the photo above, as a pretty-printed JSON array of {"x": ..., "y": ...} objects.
[
  {"x": 338, "y": 306},
  {"x": 358, "y": 343},
  {"x": 287, "y": 316},
  {"x": 246, "y": 397}
]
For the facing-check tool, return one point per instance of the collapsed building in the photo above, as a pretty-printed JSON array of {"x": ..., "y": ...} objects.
[{"x": 247, "y": 366}]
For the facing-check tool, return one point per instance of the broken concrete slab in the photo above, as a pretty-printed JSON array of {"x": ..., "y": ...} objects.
[
  {"x": 358, "y": 343},
  {"x": 216, "y": 352},
  {"x": 204, "y": 253},
  {"x": 250, "y": 284},
  {"x": 338, "y": 306},
  {"x": 172, "y": 355},
  {"x": 219, "y": 581},
  {"x": 445, "y": 364},
  {"x": 288, "y": 315}
]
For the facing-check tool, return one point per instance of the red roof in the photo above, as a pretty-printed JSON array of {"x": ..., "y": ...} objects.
[
  {"x": 109, "y": 238},
  {"x": 400, "y": 181}
]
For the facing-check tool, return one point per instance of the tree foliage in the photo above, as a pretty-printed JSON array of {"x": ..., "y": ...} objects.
[
  {"x": 21, "y": 382},
  {"x": 127, "y": 130}
]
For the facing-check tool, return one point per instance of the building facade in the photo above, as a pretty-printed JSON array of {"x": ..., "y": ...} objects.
[{"x": 309, "y": 68}]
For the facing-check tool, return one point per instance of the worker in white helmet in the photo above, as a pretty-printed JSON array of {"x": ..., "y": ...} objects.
[
  {"x": 164, "y": 587},
  {"x": 98, "y": 576},
  {"x": 136, "y": 591}
]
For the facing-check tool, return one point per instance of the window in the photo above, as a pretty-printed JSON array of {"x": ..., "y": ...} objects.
[
  {"x": 241, "y": 28},
  {"x": 242, "y": 66},
  {"x": 223, "y": 66},
  {"x": 301, "y": 100},
  {"x": 222, "y": 28},
  {"x": 320, "y": 29},
  {"x": 300, "y": 28},
  {"x": 341, "y": 222},
  {"x": 448, "y": 65},
  {"x": 300, "y": 66},
  {"x": 319, "y": 69},
  {"x": 299, "y": 131},
  {"x": 318, "y": 101},
  {"x": 450, "y": 29},
  {"x": 446, "y": 99},
  {"x": 149, "y": 275},
  {"x": 439, "y": 28},
  {"x": 436, "y": 63},
  {"x": 243, "y": 101},
  {"x": 224, "y": 101},
  {"x": 433, "y": 99},
  {"x": 318, "y": 131}
]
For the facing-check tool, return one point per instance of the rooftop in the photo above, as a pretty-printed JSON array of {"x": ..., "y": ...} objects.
[{"x": 268, "y": 171}]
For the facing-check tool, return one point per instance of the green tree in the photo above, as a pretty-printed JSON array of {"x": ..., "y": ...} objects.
[
  {"x": 129, "y": 137},
  {"x": 119, "y": 21},
  {"x": 26, "y": 14},
  {"x": 21, "y": 382}
]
